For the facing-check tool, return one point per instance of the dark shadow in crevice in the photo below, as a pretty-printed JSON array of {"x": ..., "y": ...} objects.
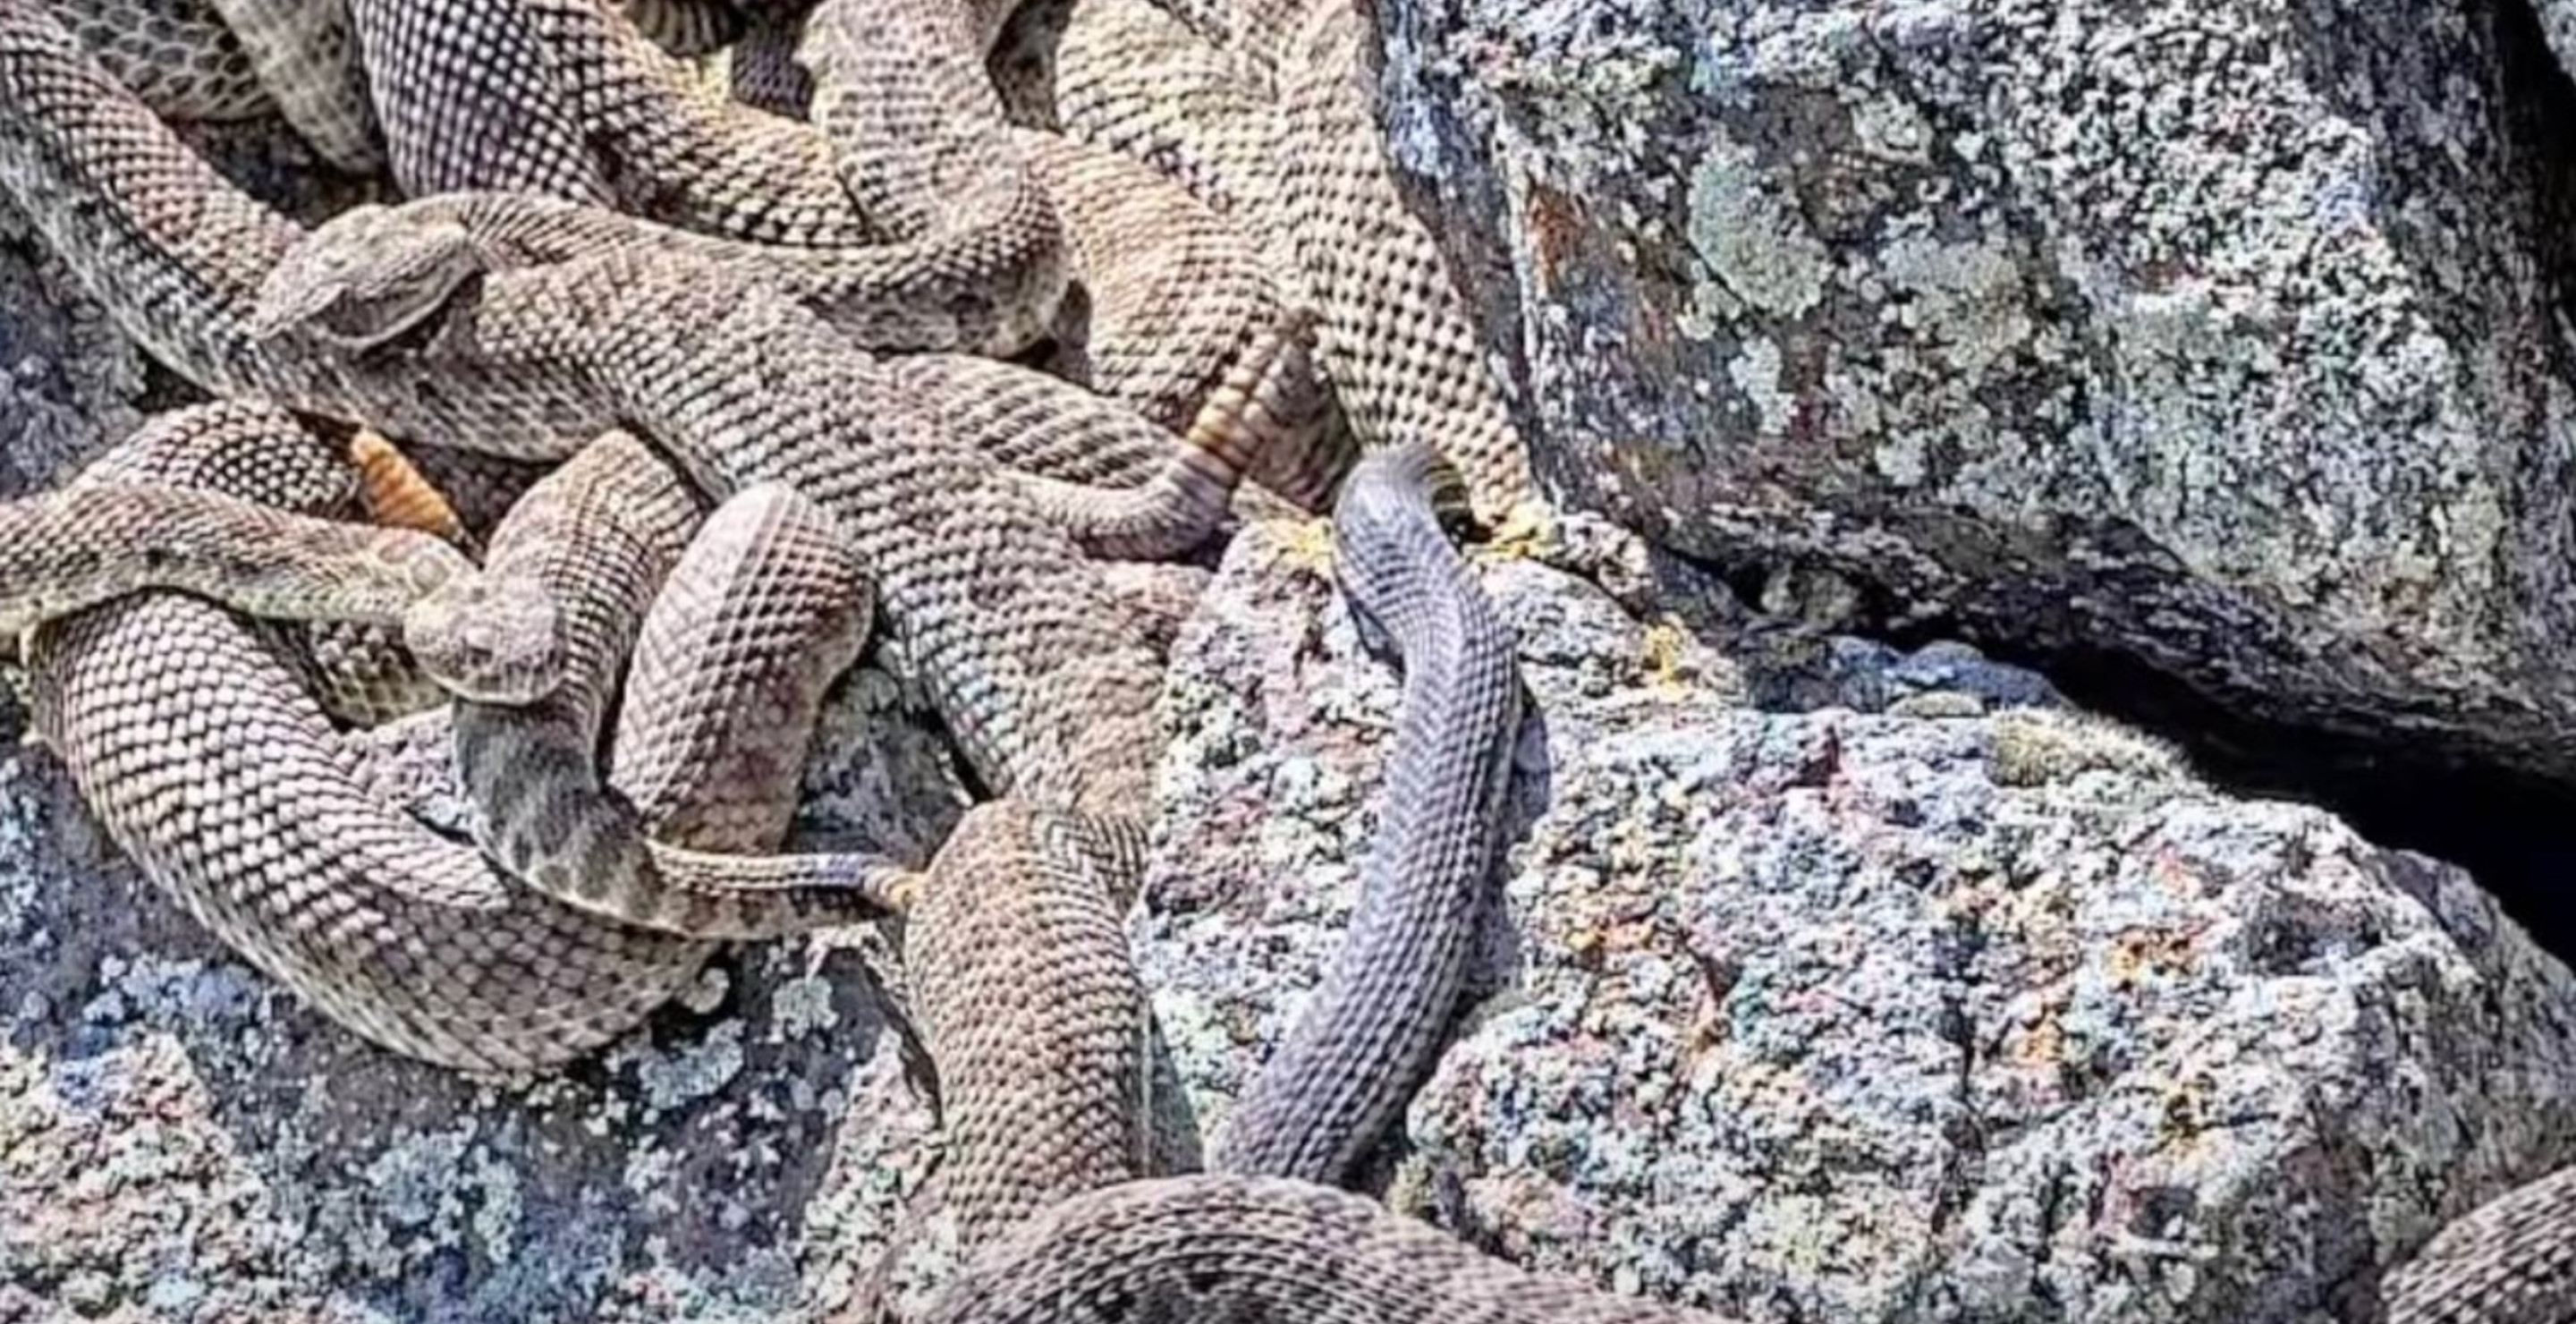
[{"x": 2515, "y": 832}]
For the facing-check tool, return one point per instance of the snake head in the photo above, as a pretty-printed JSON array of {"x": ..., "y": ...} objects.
[
  {"x": 488, "y": 639},
  {"x": 365, "y": 277}
]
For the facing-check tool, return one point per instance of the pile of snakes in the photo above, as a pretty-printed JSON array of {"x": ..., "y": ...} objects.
[{"x": 706, "y": 336}]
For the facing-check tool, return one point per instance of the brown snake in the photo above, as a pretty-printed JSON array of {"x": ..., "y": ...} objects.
[{"x": 571, "y": 572}]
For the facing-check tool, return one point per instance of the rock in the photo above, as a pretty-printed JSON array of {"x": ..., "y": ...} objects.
[
  {"x": 1799, "y": 1015},
  {"x": 2220, "y": 335},
  {"x": 180, "y": 1139}
]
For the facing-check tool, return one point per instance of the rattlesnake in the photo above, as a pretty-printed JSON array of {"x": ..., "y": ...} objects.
[
  {"x": 78, "y": 548},
  {"x": 1259, "y": 1251},
  {"x": 233, "y": 59},
  {"x": 1370, "y": 1035},
  {"x": 1007, "y": 626},
  {"x": 157, "y": 701},
  {"x": 613, "y": 362},
  {"x": 564, "y": 589},
  {"x": 546, "y": 99}
]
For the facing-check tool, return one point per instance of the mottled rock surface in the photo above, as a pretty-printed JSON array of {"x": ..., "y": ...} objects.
[
  {"x": 180, "y": 1140},
  {"x": 1920, "y": 1006},
  {"x": 2218, "y": 334},
  {"x": 1952, "y": 1010}
]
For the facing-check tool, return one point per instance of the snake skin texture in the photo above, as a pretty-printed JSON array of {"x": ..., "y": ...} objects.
[
  {"x": 176, "y": 254},
  {"x": 209, "y": 766},
  {"x": 216, "y": 60},
  {"x": 953, "y": 249},
  {"x": 177, "y": 55},
  {"x": 62, "y": 552},
  {"x": 2511, "y": 1260},
  {"x": 762, "y": 611},
  {"x": 1371, "y": 1033},
  {"x": 1391, "y": 327},
  {"x": 360, "y": 672},
  {"x": 913, "y": 122},
  {"x": 687, "y": 29},
  {"x": 589, "y": 109},
  {"x": 1039, "y": 1031},
  {"x": 1308, "y": 174},
  {"x": 1118, "y": 485},
  {"x": 1034, "y": 422},
  {"x": 584, "y": 551},
  {"x": 521, "y": 136},
  {"x": 1034, "y": 1017},
  {"x": 1253, "y": 1250},
  {"x": 1132, "y": 77},
  {"x": 763, "y": 71},
  {"x": 992, "y": 298},
  {"x": 306, "y": 55},
  {"x": 765, "y": 608},
  {"x": 1187, "y": 328},
  {"x": 1183, "y": 323},
  {"x": 1006, "y": 625}
]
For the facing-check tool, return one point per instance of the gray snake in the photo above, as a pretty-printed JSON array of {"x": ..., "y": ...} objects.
[{"x": 1373, "y": 1029}]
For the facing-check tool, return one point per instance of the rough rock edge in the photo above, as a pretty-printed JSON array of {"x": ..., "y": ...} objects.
[
  {"x": 1963, "y": 1009},
  {"x": 1989, "y": 307}
]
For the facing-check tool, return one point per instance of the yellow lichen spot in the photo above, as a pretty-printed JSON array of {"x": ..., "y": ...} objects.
[
  {"x": 1526, "y": 532},
  {"x": 1662, "y": 650},
  {"x": 1306, "y": 544},
  {"x": 2186, "y": 1113},
  {"x": 2140, "y": 954},
  {"x": 2044, "y": 1047}
]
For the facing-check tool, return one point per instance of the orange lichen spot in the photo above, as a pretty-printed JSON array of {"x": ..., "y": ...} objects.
[
  {"x": 2043, "y": 1046},
  {"x": 2141, "y": 953},
  {"x": 1553, "y": 226}
]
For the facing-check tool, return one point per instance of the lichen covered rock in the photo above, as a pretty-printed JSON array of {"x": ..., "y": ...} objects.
[
  {"x": 2215, "y": 334},
  {"x": 1976, "y": 1008},
  {"x": 180, "y": 1139}
]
